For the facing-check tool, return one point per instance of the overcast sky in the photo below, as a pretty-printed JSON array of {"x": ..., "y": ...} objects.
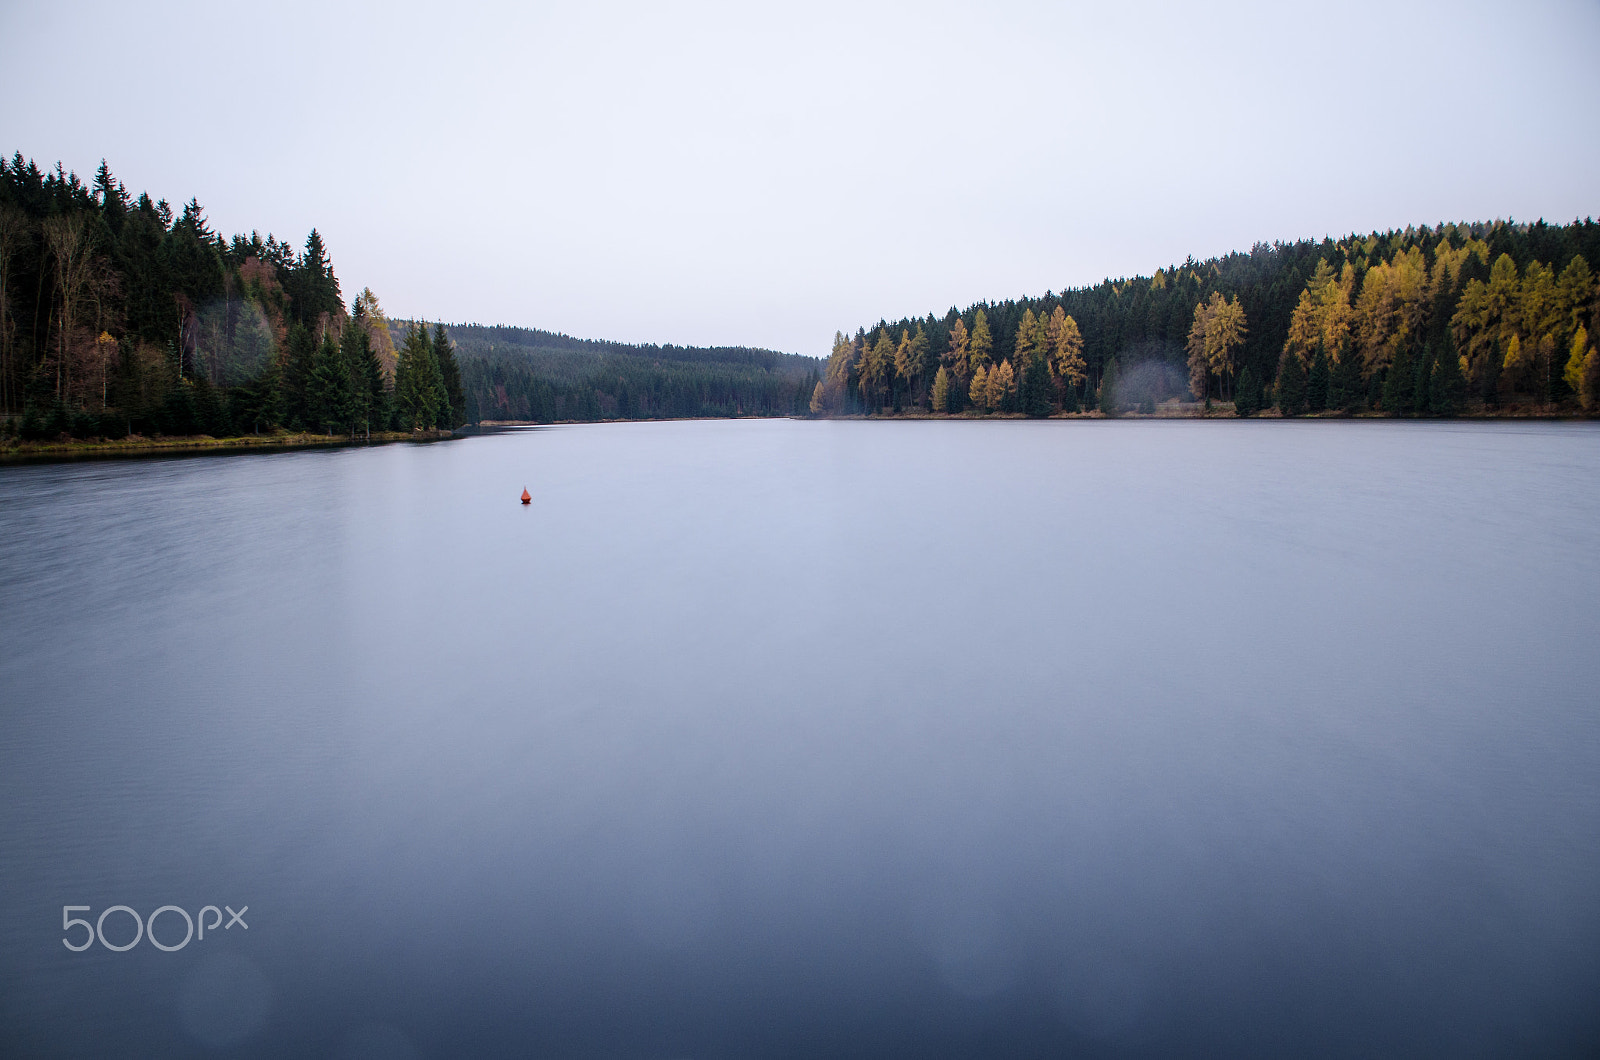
[{"x": 765, "y": 174}]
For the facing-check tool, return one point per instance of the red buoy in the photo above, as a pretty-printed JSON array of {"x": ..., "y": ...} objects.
[{"x": 527, "y": 498}]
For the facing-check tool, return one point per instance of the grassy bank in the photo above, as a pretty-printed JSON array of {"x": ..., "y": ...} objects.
[{"x": 138, "y": 445}]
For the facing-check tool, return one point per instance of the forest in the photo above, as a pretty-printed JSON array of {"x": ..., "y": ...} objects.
[
  {"x": 122, "y": 316},
  {"x": 526, "y": 375},
  {"x": 1488, "y": 318}
]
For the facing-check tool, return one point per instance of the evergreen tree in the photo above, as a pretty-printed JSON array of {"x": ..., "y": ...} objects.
[
  {"x": 1318, "y": 382},
  {"x": 1447, "y": 390},
  {"x": 1036, "y": 401},
  {"x": 210, "y": 413},
  {"x": 1247, "y": 396},
  {"x": 377, "y": 403},
  {"x": 454, "y": 409},
  {"x": 329, "y": 394},
  {"x": 1108, "y": 389},
  {"x": 1423, "y": 377},
  {"x": 1489, "y": 381},
  {"x": 1344, "y": 381},
  {"x": 1399, "y": 386},
  {"x": 1291, "y": 389},
  {"x": 359, "y": 360},
  {"x": 1069, "y": 399},
  {"x": 297, "y": 379},
  {"x": 313, "y": 288},
  {"x": 419, "y": 391}
]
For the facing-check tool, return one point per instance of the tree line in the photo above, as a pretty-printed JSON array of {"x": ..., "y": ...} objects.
[
  {"x": 1426, "y": 321},
  {"x": 120, "y": 315},
  {"x": 523, "y": 374}
]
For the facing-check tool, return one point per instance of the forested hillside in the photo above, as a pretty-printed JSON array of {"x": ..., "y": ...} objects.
[
  {"x": 524, "y": 374},
  {"x": 1425, "y": 321},
  {"x": 120, "y": 315}
]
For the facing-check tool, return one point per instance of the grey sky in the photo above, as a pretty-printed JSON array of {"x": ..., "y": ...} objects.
[{"x": 767, "y": 174}]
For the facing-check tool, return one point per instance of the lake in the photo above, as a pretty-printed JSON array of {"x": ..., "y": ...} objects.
[{"x": 773, "y": 738}]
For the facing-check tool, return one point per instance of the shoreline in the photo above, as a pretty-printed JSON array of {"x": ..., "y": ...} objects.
[
  {"x": 136, "y": 446},
  {"x": 1224, "y": 411}
]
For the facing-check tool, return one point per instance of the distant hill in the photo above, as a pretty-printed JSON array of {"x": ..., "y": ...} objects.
[{"x": 512, "y": 373}]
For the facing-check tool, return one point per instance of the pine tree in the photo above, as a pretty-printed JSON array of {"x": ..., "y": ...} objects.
[
  {"x": 377, "y": 392},
  {"x": 1036, "y": 401},
  {"x": 1422, "y": 378},
  {"x": 1247, "y": 396},
  {"x": 1291, "y": 389},
  {"x": 312, "y": 286},
  {"x": 1318, "y": 382},
  {"x": 452, "y": 412},
  {"x": 417, "y": 386},
  {"x": 1108, "y": 388},
  {"x": 1447, "y": 390},
  {"x": 1344, "y": 381},
  {"x": 329, "y": 392},
  {"x": 1399, "y": 386},
  {"x": 1069, "y": 399},
  {"x": 297, "y": 378},
  {"x": 259, "y": 404}
]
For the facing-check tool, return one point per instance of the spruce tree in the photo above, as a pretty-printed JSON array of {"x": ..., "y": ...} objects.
[
  {"x": 453, "y": 410},
  {"x": 1069, "y": 397},
  {"x": 355, "y": 349},
  {"x": 1247, "y": 394},
  {"x": 1036, "y": 401},
  {"x": 377, "y": 394},
  {"x": 1344, "y": 381},
  {"x": 1489, "y": 381},
  {"x": 1318, "y": 382},
  {"x": 1447, "y": 390},
  {"x": 297, "y": 378},
  {"x": 329, "y": 396},
  {"x": 419, "y": 390},
  {"x": 1108, "y": 388},
  {"x": 1291, "y": 394},
  {"x": 1420, "y": 403},
  {"x": 1399, "y": 386}
]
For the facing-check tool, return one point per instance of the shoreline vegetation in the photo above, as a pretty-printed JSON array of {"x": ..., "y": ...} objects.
[
  {"x": 129, "y": 327},
  {"x": 133, "y": 445},
  {"x": 122, "y": 317},
  {"x": 1484, "y": 320}
]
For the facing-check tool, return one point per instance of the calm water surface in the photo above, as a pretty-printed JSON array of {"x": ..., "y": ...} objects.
[{"x": 787, "y": 738}]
